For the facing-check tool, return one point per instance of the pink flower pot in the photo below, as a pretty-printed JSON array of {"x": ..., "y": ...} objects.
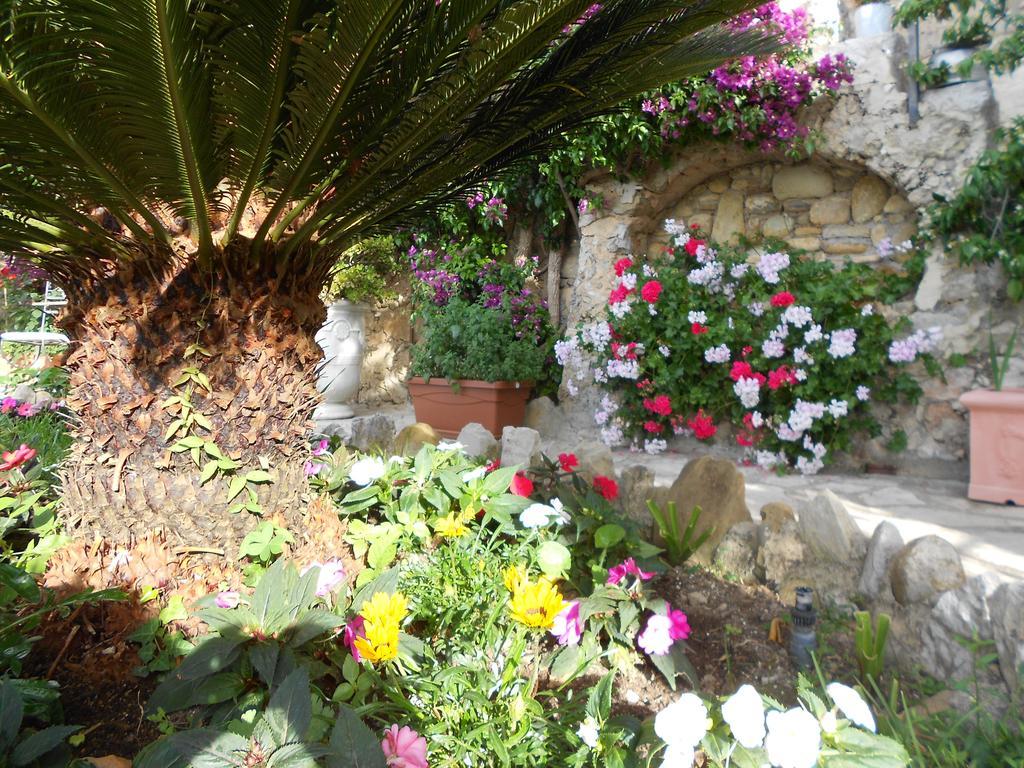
[{"x": 997, "y": 445}]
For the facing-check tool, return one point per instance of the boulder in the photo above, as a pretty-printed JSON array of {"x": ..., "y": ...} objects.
[
  {"x": 24, "y": 393},
  {"x": 924, "y": 569},
  {"x": 364, "y": 433},
  {"x": 595, "y": 459},
  {"x": 868, "y": 199},
  {"x": 415, "y": 436},
  {"x": 717, "y": 487},
  {"x": 736, "y": 553},
  {"x": 830, "y": 210},
  {"x": 42, "y": 398},
  {"x": 775, "y": 514},
  {"x": 1006, "y": 607},
  {"x": 478, "y": 441},
  {"x": 966, "y": 610},
  {"x": 542, "y": 415},
  {"x": 829, "y": 531},
  {"x": 636, "y": 486},
  {"x": 885, "y": 542},
  {"x": 519, "y": 446},
  {"x": 780, "y": 553}
]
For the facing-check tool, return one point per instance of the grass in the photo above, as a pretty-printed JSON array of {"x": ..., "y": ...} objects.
[{"x": 47, "y": 432}]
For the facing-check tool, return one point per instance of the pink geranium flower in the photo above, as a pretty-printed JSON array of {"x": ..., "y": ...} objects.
[
  {"x": 622, "y": 265},
  {"x": 404, "y": 748},
  {"x": 521, "y": 485},
  {"x": 627, "y": 567},
  {"x": 651, "y": 291},
  {"x": 354, "y": 629},
  {"x": 568, "y": 626},
  {"x": 227, "y": 599}
]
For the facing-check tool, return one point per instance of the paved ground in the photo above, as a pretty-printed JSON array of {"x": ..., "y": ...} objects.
[{"x": 989, "y": 537}]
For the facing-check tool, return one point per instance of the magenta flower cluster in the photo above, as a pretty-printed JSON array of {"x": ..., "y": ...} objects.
[
  {"x": 10, "y": 406},
  {"x": 754, "y": 99}
]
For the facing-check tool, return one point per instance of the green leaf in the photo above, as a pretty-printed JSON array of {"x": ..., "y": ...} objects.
[
  {"x": 599, "y": 703},
  {"x": 11, "y": 709},
  {"x": 608, "y": 535},
  {"x": 22, "y": 583},
  {"x": 290, "y": 710},
  {"x": 211, "y": 656},
  {"x": 39, "y": 743},
  {"x": 236, "y": 487},
  {"x": 258, "y": 476},
  {"x": 352, "y": 744}
]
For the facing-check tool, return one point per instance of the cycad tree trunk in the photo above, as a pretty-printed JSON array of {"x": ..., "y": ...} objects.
[{"x": 132, "y": 332}]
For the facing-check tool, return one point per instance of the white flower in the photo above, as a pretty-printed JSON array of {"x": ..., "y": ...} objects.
[
  {"x": 838, "y": 408},
  {"x": 853, "y": 707},
  {"x": 813, "y": 334},
  {"x": 719, "y": 354},
  {"x": 744, "y": 712},
  {"x": 739, "y": 270},
  {"x": 748, "y": 391},
  {"x": 648, "y": 271},
  {"x": 756, "y": 308},
  {"x": 800, "y": 356},
  {"x": 863, "y": 393},
  {"x": 773, "y": 348},
  {"x": 800, "y": 374},
  {"x": 571, "y": 388},
  {"x": 681, "y": 725},
  {"x": 797, "y": 316},
  {"x": 677, "y": 757},
  {"x": 588, "y": 732},
  {"x": 654, "y": 446},
  {"x": 867, "y": 310},
  {"x": 842, "y": 342},
  {"x": 769, "y": 266},
  {"x": 651, "y": 310},
  {"x": 537, "y": 515},
  {"x": 620, "y": 310},
  {"x": 794, "y": 739},
  {"x": 365, "y": 471},
  {"x": 809, "y": 466},
  {"x": 450, "y": 445},
  {"x": 474, "y": 475},
  {"x": 697, "y": 317},
  {"x": 756, "y": 419},
  {"x": 663, "y": 350}
]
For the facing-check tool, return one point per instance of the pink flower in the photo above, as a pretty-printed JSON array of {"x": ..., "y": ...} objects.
[
  {"x": 780, "y": 376},
  {"x": 680, "y": 629},
  {"x": 660, "y": 405},
  {"x": 653, "y": 427},
  {"x": 618, "y": 295},
  {"x": 782, "y": 299},
  {"x": 521, "y": 485},
  {"x": 606, "y": 487},
  {"x": 741, "y": 370},
  {"x": 322, "y": 448},
  {"x": 693, "y": 244},
  {"x": 8, "y": 404},
  {"x": 354, "y": 629},
  {"x": 227, "y": 599},
  {"x": 568, "y": 626},
  {"x": 703, "y": 426},
  {"x": 404, "y": 748},
  {"x": 697, "y": 329},
  {"x": 621, "y": 266},
  {"x": 627, "y": 567},
  {"x": 310, "y": 468},
  {"x": 12, "y": 459},
  {"x": 568, "y": 461},
  {"x": 651, "y": 291},
  {"x": 331, "y": 575},
  {"x": 656, "y": 637},
  {"x": 26, "y": 409}
]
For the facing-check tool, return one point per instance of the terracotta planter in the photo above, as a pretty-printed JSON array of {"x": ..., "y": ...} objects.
[
  {"x": 997, "y": 445},
  {"x": 448, "y": 408}
]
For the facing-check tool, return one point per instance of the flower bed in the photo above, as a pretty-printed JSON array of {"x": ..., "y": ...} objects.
[{"x": 787, "y": 351}]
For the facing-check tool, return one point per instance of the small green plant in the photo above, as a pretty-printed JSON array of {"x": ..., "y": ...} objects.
[
  {"x": 24, "y": 749},
  {"x": 869, "y": 641},
  {"x": 679, "y": 545},
  {"x": 1000, "y": 362},
  {"x": 160, "y": 647}
]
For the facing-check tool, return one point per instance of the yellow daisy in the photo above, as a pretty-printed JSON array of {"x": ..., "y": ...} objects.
[
  {"x": 382, "y": 620},
  {"x": 536, "y": 604}
]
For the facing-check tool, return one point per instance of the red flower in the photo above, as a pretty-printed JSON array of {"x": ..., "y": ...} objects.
[
  {"x": 780, "y": 376},
  {"x": 16, "y": 458},
  {"x": 651, "y": 291},
  {"x": 660, "y": 405},
  {"x": 492, "y": 465},
  {"x": 696, "y": 329},
  {"x": 606, "y": 487},
  {"x": 692, "y": 245},
  {"x": 745, "y": 439},
  {"x": 618, "y": 295},
  {"x": 568, "y": 461},
  {"x": 747, "y": 350},
  {"x": 783, "y": 299},
  {"x": 741, "y": 370},
  {"x": 622, "y": 265},
  {"x": 521, "y": 485},
  {"x": 653, "y": 427},
  {"x": 703, "y": 426}
]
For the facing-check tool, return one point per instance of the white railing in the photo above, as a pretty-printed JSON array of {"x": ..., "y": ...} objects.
[{"x": 53, "y": 299}]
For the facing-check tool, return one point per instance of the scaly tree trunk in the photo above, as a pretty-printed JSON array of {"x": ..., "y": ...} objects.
[{"x": 132, "y": 332}]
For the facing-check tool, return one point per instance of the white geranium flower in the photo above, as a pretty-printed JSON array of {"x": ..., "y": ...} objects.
[
  {"x": 681, "y": 725},
  {"x": 794, "y": 739},
  {"x": 450, "y": 445},
  {"x": 474, "y": 474},
  {"x": 365, "y": 471},
  {"x": 853, "y": 707},
  {"x": 588, "y": 732},
  {"x": 537, "y": 515},
  {"x": 744, "y": 712}
]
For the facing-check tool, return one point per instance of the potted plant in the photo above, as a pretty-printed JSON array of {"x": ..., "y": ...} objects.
[
  {"x": 997, "y": 433},
  {"x": 484, "y": 337},
  {"x": 872, "y": 19},
  {"x": 362, "y": 274}
]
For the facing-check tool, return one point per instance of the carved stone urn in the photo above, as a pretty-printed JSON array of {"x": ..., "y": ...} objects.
[{"x": 343, "y": 340}]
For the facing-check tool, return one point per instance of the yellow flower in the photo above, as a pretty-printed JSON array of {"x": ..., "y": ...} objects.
[
  {"x": 514, "y": 576},
  {"x": 382, "y": 619},
  {"x": 536, "y": 604},
  {"x": 451, "y": 526}
]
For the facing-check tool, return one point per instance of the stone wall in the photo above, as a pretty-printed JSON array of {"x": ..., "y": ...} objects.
[
  {"x": 874, "y": 171},
  {"x": 389, "y": 339}
]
